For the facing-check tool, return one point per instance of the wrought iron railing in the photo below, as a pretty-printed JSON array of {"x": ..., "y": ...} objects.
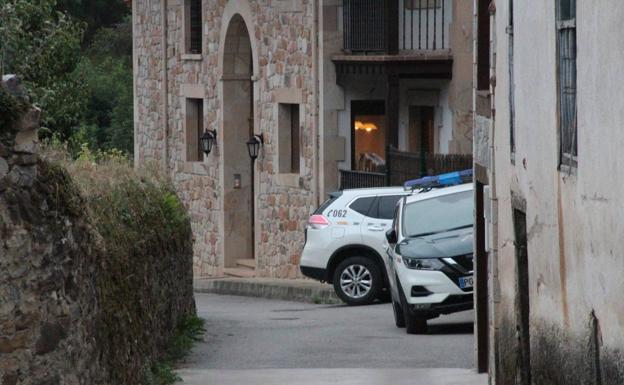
[
  {"x": 365, "y": 25},
  {"x": 402, "y": 166},
  {"x": 361, "y": 179},
  {"x": 388, "y": 26}
]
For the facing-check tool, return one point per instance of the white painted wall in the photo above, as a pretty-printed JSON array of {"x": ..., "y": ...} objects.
[{"x": 575, "y": 221}]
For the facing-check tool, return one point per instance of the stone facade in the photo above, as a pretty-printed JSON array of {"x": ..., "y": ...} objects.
[
  {"x": 256, "y": 57},
  {"x": 282, "y": 43}
]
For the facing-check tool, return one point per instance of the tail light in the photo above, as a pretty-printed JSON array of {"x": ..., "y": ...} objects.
[{"x": 318, "y": 221}]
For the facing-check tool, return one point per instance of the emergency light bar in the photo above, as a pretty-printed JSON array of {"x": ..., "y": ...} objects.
[{"x": 442, "y": 180}]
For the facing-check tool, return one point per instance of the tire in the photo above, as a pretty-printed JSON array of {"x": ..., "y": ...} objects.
[
  {"x": 368, "y": 281},
  {"x": 399, "y": 317},
  {"x": 415, "y": 324}
]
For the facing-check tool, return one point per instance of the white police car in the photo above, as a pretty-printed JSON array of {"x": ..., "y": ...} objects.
[
  {"x": 345, "y": 240},
  {"x": 430, "y": 251}
]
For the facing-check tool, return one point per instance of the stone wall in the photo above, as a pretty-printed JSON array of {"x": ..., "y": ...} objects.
[
  {"x": 48, "y": 304},
  {"x": 77, "y": 304},
  {"x": 282, "y": 43}
]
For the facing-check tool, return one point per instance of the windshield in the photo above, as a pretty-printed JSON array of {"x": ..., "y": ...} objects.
[{"x": 438, "y": 214}]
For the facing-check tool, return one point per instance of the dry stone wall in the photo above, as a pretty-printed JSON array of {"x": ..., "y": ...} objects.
[
  {"x": 77, "y": 305},
  {"x": 48, "y": 305}
]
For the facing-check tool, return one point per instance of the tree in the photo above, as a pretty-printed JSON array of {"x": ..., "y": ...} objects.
[{"x": 42, "y": 46}]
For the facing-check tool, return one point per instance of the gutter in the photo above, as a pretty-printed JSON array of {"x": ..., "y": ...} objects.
[
  {"x": 165, "y": 87},
  {"x": 317, "y": 106}
]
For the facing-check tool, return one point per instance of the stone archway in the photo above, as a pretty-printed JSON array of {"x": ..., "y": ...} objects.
[{"x": 238, "y": 123}]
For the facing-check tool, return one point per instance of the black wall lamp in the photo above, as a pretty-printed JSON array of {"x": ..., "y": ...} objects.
[
  {"x": 253, "y": 145},
  {"x": 208, "y": 139}
]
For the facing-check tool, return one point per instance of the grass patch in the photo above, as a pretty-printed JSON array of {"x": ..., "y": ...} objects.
[{"x": 188, "y": 332}]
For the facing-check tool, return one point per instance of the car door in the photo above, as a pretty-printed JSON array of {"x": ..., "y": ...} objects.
[{"x": 378, "y": 221}]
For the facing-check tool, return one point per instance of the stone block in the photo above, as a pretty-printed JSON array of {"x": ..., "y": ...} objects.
[
  {"x": 50, "y": 336},
  {"x": 23, "y": 176},
  {"x": 31, "y": 120},
  {"x": 4, "y": 168},
  {"x": 26, "y": 142}
]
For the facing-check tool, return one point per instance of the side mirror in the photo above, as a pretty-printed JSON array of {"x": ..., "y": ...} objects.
[{"x": 391, "y": 236}]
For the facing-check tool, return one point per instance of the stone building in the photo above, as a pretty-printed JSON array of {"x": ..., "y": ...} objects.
[
  {"x": 342, "y": 92},
  {"x": 547, "y": 160}
]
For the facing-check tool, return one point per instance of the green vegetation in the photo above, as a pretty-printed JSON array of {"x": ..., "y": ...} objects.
[
  {"x": 144, "y": 278},
  {"x": 75, "y": 59},
  {"x": 188, "y": 332}
]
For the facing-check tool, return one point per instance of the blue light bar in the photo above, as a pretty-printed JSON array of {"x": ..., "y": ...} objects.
[{"x": 442, "y": 180}]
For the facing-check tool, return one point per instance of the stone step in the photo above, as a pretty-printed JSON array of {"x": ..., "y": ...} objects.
[
  {"x": 240, "y": 272},
  {"x": 249, "y": 263}
]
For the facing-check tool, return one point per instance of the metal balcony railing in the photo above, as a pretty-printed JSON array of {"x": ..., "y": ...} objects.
[{"x": 387, "y": 26}]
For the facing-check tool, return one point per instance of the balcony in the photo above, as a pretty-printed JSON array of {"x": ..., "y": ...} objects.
[
  {"x": 402, "y": 166},
  {"x": 406, "y": 38},
  {"x": 391, "y": 27}
]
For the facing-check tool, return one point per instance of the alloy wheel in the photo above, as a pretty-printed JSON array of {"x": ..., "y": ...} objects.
[{"x": 356, "y": 281}]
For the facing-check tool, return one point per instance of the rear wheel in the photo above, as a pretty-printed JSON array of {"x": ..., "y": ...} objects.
[
  {"x": 399, "y": 317},
  {"x": 357, "y": 281}
]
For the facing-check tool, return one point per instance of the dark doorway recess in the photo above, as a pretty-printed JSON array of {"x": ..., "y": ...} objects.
[
  {"x": 522, "y": 297},
  {"x": 481, "y": 266}
]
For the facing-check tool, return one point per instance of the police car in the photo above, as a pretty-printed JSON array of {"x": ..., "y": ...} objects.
[
  {"x": 345, "y": 240},
  {"x": 430, "y": 251}
]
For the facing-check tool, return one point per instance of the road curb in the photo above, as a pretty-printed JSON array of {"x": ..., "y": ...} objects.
[{"x": 283, "y": 289}]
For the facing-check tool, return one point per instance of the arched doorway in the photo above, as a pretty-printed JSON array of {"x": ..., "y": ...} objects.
[{"x": 238, "y": 122}]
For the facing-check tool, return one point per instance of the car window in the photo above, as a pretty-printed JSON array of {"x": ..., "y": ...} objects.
[
  {"x": 385, "y": 206},
  {"x": 362, "y": 205},
  {"x": 332, "y": 197},
  {"x": 438, "y": 214}
]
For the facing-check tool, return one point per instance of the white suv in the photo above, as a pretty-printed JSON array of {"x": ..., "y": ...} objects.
[
  {"x": 430, "y": 255},
  {"x": 345, "y": 240}
]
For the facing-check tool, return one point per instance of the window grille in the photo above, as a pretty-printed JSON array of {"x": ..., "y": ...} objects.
[
  {"x": 512, "y": 104},
  {"x": 195, "y": 27},
  {"x": 566, "y": 53}
]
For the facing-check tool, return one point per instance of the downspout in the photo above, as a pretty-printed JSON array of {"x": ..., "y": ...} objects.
[
  {"x": 317, "y": 107},
  {"x": 165, "y": 87}
]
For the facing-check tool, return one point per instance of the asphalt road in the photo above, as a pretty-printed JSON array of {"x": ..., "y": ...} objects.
[{"x": 254, "y": 333}]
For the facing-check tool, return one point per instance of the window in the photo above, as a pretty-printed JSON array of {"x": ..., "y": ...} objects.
[
  {"x": 512, "y": 106},
  {"x": 566, "y": 81},
  {"x": 362, "y": 205},
  {"x": 483, "y": 45},
  {"x": 368, "y": 135},
  {"x": 442, "y": 213},
  {"x": 422, "y": 4},
  {"x": 289, "y": 128},
  {"x": 194, "y": 129},
  {"x": 384, "y": 208},
  {"x": 193, "y": 26}
]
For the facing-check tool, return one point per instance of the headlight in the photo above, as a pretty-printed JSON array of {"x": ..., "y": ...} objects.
[{"x": 423, "y": 263}]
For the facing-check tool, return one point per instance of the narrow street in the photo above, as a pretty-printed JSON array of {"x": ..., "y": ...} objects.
[{"x": 259, "y": 341}]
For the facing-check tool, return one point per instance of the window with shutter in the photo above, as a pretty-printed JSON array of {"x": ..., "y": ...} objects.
[{"x": 566, "y": 73}]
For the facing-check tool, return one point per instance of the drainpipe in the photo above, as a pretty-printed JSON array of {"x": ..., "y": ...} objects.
[
  {"x": 317, "y": 107},
  {"x": 165, "y": 87}
]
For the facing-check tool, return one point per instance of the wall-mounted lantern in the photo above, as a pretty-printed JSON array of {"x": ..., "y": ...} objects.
[
  {"x": 208, "y": 139},
  {"x": 253, "y": 146}
]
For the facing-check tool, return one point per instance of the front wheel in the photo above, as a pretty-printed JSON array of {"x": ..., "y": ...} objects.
[
  {"x": 399, "y": 317},
  {"x": 357, "y": 281},
  {"x": 414, "y": 324}
]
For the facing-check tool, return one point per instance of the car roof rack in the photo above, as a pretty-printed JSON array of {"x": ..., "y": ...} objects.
[{"x": 438, "y": 181}]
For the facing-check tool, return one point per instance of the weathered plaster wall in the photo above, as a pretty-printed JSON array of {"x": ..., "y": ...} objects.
[
  {"x": 282, "y": 48},
  {"x": 573, "y": 220}
]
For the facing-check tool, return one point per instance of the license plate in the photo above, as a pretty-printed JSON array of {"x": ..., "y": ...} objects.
[{"x": 466, "y": 282}]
